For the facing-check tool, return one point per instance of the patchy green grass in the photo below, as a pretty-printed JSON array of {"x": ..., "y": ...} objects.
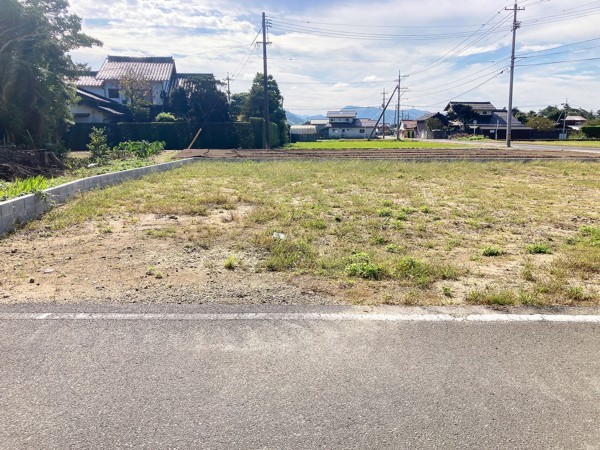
[
  {"x": 80, "y": 169},
  {"x": 383, "y": 231},
  {"x": 567, "y": 143},
  {"x": 21, "y": 187},
  {"x": 492, "y": 251},
  {"x": 538, "y": 248},
  {"x": 344, "y": 144}
]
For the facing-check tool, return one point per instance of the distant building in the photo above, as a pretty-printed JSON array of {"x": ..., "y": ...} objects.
[
  {"x": 303, "y": 133},
  {"x": 573, "y": 122},
  {"x": 93, "y": 108},
  {"x": 423, "y": 132},
  {"x": 345, "y": 125},
  {"x": 322, "y": 126},
  {"x": 159, "y": 71},
  {"x": 492, "y": 122}
]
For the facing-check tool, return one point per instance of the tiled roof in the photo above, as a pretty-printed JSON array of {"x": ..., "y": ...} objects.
[
  {"x": 364, "y": 123},
  {"x": 112, "y": 111},
  {"x": 499, "y": 118},
  {"x": 151, "y": 68},
  {"x": 89, "y": 81},
  {"x": 477, "y": 106},
  {"x": 182, "y": 79},
  {"x": 100, "y": 102},
  {"x": 341, "y": 114}
]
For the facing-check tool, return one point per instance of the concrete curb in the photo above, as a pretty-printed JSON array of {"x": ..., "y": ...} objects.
[{"x": 24, "y": 209}]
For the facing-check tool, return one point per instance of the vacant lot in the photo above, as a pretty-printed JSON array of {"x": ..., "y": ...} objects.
[{"x": 333, "y": 231}]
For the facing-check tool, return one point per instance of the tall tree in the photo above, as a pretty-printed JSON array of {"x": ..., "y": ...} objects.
[
  {"x": 433, "y": 123},
  {"x": 199, "y": 99},
  {"x": 463, "y": 113},
  {"x": 255, "y": 103},
  {"x": 238, "y": 105},
  {"x": 35, "y": 38},
  {"x": 541, "y": 123},
  {"x": 551, "y": 112},
  {"x": 519, "y": 115}
]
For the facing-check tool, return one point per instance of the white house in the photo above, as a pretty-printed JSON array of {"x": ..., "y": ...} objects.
[
  {"x": 159, "y": 71},
  {"x": 93, "y": 108},
  {"x": 345, "y": 125}
]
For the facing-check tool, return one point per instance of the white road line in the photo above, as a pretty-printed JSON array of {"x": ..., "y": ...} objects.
[{"x": 331, "y": 317}]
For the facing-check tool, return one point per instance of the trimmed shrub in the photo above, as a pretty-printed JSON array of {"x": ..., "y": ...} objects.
[
  {"x": 258, "y": 129},
  {"x": 175, "y": 135},
  {"x": 591, "y": 131}
]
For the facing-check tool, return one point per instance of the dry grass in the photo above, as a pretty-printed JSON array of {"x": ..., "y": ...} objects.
[{"x": 384, "y": 232}]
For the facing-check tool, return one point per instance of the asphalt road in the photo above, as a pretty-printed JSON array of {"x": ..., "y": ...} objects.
[{"x": 223, "y": 381}]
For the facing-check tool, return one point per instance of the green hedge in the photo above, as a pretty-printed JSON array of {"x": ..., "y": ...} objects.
[
  {"x": 591, "y": 131},
  {"x": 258, "y": 128},
  {"x": 176, "y": 135}
]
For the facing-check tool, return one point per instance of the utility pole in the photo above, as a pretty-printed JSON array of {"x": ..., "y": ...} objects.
[
  {"x": 382, "y": 113},
  {"x": 383, "y": 106},
  {"x": 228, "y": 79},
  {"x": 398, "y": 105},
  {"x": 515, "y": 26},
  {"x": 266, "y": 84}
]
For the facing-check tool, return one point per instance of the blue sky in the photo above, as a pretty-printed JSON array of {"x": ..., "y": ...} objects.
[{"x": 326, "y": 55}]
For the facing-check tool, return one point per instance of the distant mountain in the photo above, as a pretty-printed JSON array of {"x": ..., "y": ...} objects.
[
  {"x": 374, "y": 113},
  {"x": 295, "y": 119},
  {"x": 363, "y": 112}
]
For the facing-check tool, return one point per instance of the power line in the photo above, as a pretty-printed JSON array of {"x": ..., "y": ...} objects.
[
  {"x": 559, "y": 46},
  {"x": 559, "y": 62},
  {"x": 457, "y": 50},
  {"x": 281, "y": 25},
  {"x": 243, "y": 63}
]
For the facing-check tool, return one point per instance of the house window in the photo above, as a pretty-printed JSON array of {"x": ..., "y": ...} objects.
[
  {"x": 113, "y": 93},
  {"x": 362, "y": 130}
]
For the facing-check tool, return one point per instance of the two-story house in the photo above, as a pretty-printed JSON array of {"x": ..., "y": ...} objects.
[
  {"x": 158, "y": 71},
  {"x": 344, "y": 124},
  {"x": 492, "y": 122}
]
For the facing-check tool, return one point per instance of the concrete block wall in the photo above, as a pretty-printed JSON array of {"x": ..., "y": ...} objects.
[{"x": 30, "y": 207}]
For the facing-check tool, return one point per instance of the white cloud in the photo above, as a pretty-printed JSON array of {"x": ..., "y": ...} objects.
[{"x": 440, "y": 44}]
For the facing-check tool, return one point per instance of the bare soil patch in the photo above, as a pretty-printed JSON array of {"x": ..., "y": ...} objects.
[
  {"x": 326, "y": 232},
  {"x": 137, "y": 261}
]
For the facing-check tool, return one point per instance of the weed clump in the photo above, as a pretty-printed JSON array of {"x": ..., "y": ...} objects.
[
  {"x": 576, "y": 293},
  {"x": 498, "y": 298},
  {"x": 231, "y": 263},
  {"x": 492, "y": 251},
  {"x": 538, "y": 248},
  {"x": 360, "y": 265},
  {"x": 288, "y": 254},
  {"x": 20, "y": 187},
  {"x": 393, "y": 248},
  {"x": 384, "y": 212}
]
